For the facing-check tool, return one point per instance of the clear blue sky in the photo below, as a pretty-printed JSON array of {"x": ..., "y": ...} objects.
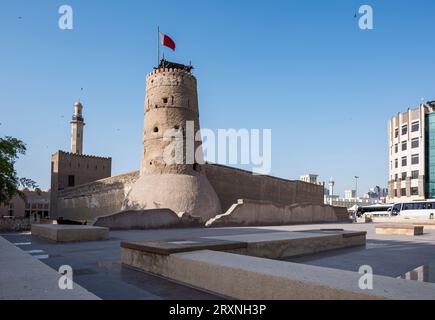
[{"x": 302, "y": 68}]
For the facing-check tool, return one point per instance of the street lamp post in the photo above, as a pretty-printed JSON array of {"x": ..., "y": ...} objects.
[{"x": 356, "y": 186}]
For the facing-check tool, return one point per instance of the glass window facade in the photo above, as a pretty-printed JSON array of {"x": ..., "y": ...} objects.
[{"x": 430, "y": 155}]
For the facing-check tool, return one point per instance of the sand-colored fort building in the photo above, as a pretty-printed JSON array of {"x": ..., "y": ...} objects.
[{"x": 162, "y": 194}]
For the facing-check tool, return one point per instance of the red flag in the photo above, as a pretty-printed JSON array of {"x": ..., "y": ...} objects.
[{"x": 167, "y": 41}]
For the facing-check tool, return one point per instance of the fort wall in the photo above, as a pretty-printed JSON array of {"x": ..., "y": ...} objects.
[
  {"x": 232, "y": 184},
  {"x": 107, "y": 196},
  {"x": 95, "y": 199}
]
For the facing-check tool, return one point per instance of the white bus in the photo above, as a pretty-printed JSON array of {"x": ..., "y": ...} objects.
[
  {"x": 416, "y": 209},
  {"x": 375, "y": 210}
]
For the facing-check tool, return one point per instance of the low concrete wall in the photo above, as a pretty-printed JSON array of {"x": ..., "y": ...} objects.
[
  {"x": 232, "y": 184},
  {"x": 99, "y": 198},
  {"x": 283, "y": 245},
  {"x": 69, "y": 233},
  {"x": 147, "y": 219},
  {"x": 253, "y": 212},
  {"x": 402, "y": 220},
  {"x": 401, "y": 229},
  {"x": 9, "y": 224},
  {"x": 251, "y": 278}
]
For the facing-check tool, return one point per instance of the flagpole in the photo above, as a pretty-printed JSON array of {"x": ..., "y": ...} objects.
[{"x": 158, "y": 46}]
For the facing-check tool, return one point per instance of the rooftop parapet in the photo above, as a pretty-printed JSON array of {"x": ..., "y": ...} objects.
[
  {"x": 84, "y": 156},
  {"x": 164, "y": 64}
]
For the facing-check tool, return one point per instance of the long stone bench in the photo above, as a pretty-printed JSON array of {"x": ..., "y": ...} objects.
[
  {"x": 274, "y": 245},
  {"x": 245, "y": 277},
  {"x": 400, "y": 229},
  {"x": 69, "y": 233}
]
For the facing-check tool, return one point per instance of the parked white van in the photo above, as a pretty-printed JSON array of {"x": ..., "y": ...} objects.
[{"x": 416, "y": 209}]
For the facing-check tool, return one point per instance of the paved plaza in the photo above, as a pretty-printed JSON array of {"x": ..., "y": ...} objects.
[{"x": 97, "y": 266}]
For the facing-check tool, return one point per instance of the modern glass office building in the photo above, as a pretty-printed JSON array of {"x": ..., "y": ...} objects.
[{"x": 411, "y": 137}]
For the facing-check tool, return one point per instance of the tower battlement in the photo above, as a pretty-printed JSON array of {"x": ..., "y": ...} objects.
[
  {"x": 171, "y": 77},
  {"x": 173, "y": 65}
]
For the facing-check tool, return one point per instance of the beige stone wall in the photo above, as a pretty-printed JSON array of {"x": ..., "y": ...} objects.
[
  {"x": 105, "y": 197},
  {"x": 261, "y": 213},
  {"x": 171, "y": 101},
  {"x": 14, "y": 224},
  {"x": 147, "y": 219},
  {"x": 84, "y": 168},
  {"x": 95, "y": 199},
  {"x": 232, "y": 184}
]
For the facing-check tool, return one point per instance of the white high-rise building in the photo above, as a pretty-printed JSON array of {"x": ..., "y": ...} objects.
[{"x": 411, "y": 137}]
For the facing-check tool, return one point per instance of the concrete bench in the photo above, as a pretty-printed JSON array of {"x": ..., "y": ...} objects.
[
  {"x": 69, "y": 233},
  {"x": 274, "y": 245},
  {"x": 425, "y": 224},
  {"x": 400, "y": 229},
  {"x": 246, "y": 277}
]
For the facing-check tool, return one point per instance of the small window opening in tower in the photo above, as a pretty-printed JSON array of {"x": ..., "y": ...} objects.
[
  {"x": 165, "y": 100},
  {"x": 96, "y": 167},
  {"x": 156, "y": 129},
  {"x": 71, "y": 181},
  {"x": 195, "y": 167},
  {"x": 172, "y": 98}
]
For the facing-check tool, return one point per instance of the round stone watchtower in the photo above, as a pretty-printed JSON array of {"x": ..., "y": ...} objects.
[{"x": 170, "y": 175}]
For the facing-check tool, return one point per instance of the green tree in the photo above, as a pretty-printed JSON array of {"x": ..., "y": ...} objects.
[{"x": 10, "y": 184}]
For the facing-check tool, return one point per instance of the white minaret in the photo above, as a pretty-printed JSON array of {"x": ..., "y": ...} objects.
[
  {"x": 77, "y": 124},
  {"x": 331, "y": 184}
]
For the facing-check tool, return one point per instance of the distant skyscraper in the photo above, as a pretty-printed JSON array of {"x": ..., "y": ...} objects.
[{"x": 349, "y": 194}]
